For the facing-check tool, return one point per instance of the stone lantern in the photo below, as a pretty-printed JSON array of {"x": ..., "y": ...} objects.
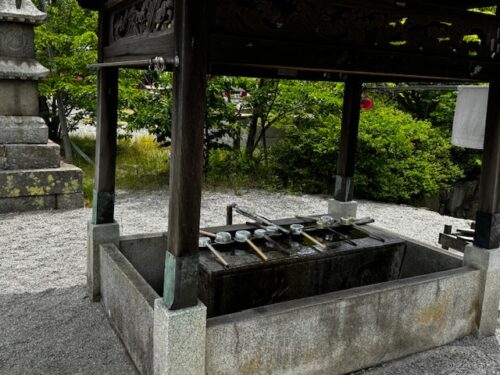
[{"x": 32, "y": 175}]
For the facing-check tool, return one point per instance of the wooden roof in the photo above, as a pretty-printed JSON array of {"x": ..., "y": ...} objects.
[
  {"x": 468, "y": 4},
  {"x": 318, "y": 39}
]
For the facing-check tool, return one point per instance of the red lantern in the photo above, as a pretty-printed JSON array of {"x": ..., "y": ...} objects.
[{"x": 366, "y": 103}]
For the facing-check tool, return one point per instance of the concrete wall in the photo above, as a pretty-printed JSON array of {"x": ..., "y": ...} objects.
[
  {"x": 344, "y": 331},
  {"x": 129, "y": 304}
]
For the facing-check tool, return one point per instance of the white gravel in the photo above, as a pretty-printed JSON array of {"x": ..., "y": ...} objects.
[{"x": 49, "y": 327}]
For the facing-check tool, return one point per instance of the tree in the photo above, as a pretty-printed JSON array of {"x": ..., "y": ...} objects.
[
  {"x": 67, "y": 44},
  {"x": 275, "y": 103},
  {"x": 146, "y": 102}
]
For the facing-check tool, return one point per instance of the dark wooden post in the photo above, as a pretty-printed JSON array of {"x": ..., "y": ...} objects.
[
  {"x": 181, "y": 264},
  {"x": 107, "y": 117},
  {"x": 344, "y": 187},
  {"x": 488, "y": 216}
]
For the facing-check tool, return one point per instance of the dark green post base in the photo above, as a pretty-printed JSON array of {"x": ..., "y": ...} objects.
[
  {"x": 344, "y": 188},
  {"x": 180, "y": 289},
  {"x": 487, "y": 230},
  {"x": 103, "y": 208}
]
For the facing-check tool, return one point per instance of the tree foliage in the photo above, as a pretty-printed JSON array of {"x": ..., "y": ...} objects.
[
  {"x": 399, "y": 159},
  {"x": 67, "y": 44}
]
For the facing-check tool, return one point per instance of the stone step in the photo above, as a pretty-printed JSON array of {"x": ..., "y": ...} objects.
[
  {"x": 26, "y": 156},
  {"x": 23, "y": 129},
  {"x": 67, "y": 179},
  {"x": 42, "y": 202}
]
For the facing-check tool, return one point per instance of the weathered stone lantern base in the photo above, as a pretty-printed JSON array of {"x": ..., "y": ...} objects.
[{"x": 32, "y": 176}]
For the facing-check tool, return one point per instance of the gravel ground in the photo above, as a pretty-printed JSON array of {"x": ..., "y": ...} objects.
[{"x": 49, "y": 327}]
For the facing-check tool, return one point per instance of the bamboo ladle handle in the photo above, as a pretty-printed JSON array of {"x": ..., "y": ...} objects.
[
  {"x": 312, "y": 239},
  {"x": 218, "y": 255},
  {"x": 208, "y": 234},
  {"x": 257, "y": 250}
]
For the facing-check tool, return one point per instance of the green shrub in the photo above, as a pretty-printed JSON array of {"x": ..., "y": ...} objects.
[
  {"x": 235, "y": 170},
  {"x": 141, "y": 164},
  {"x": 306, "y": 160},
  {"x": 399, "y": 159}
]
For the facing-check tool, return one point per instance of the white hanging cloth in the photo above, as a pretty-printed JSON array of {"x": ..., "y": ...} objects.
[{"x": 470, "y": 117}]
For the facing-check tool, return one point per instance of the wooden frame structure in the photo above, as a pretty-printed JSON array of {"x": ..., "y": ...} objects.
[{"x": 352, "y": 40}]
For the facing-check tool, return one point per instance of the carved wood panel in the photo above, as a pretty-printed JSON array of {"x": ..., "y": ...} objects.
[
  {"x": 141, "y": 17},
  {"x": 362, "y": 24}
]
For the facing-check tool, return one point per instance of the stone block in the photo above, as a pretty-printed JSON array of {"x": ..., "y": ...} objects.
[
  {"x": 488, "y": 261},
  {"x": 64, "y": 180},
  {"x": 98, "y": 235},
  {"x": 21, "y": 204},
  {"x": 341, "y": 332},
  {"x": 29, "y": 156},
  {"x": 69, "y": 201},
  {"x": 129, "y": 304},
  {"x": 19, "y": 98},
  {"x": 23, "y": 129},
  {"x": 17, "y": 40},
  {"x": 41, "y": 202},
  {"x": 339, "y": 209},
  {"x": 179, "y": 340}
]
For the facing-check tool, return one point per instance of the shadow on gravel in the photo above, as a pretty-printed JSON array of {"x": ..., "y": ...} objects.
[{"x": 58, "y": 331}]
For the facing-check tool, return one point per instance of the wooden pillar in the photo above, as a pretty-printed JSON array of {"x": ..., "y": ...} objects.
[
  {"x": 189, "y": 103},
  {"x": 344, "y": 187},
  {"x": 107, "y": 117},
  {"x": 488, "y": 216}
]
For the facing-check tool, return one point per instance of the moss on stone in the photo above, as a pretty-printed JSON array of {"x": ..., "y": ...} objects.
[{"x": 35, "y": 190}]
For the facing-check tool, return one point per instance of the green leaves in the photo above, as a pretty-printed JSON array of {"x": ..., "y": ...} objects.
[
  {"x": 399, "y": 158},
  {"x": 67, "y": 44}
]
